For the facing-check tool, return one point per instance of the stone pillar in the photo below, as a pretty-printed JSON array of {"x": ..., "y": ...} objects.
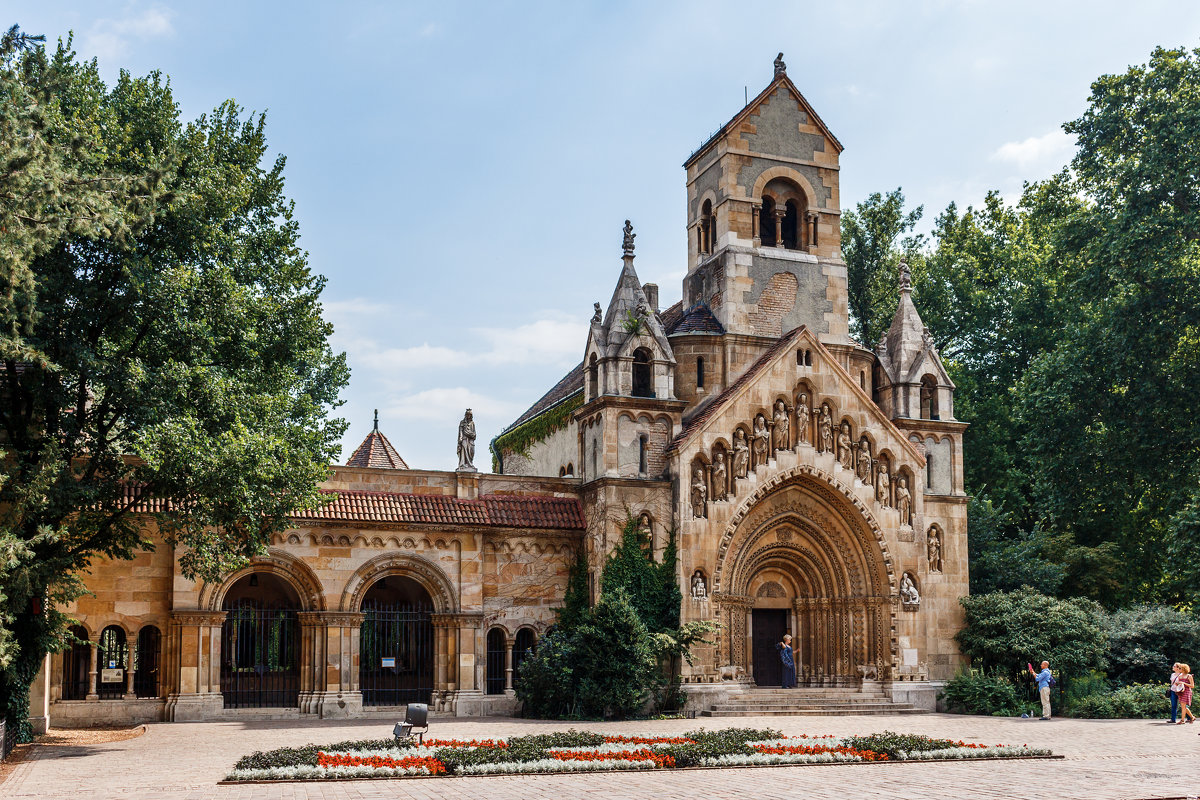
[
  {"x": 94, "y": 658},
  {"x": 755, "y": 213},
  {"x": 780, "y": 213},
  {"x": 39, "y": 698},
  {"x": 129, "y": 654},
  {"x": 812, "y": 229},
  {"x": 508, "y": 667},
  {"x": 329, "y": 662},
  {"x": 194, "y": 642}
]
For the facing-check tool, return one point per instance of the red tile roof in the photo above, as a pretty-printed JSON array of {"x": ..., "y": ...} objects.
[
  {"x": 377, "y": 452},
  {"x": 498, "y": 511}
]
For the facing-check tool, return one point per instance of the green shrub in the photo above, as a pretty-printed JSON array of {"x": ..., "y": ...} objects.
[
  {"x": 1006, "y": 630},
  {"x": 893, "y": 743},
  {"x": 981, "y": 693},
  {"x": 1136, "y": 701},
  {"x": 615, "y": 660},
  {"x": 1144, "y": 641},
  {"x": 545, "y": 682}
]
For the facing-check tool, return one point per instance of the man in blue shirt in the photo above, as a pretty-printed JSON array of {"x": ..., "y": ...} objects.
[{"x": 1044, "y": 679}]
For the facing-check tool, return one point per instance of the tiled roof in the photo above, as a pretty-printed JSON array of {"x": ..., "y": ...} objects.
[
  {"x": 498, "y": 511},
  {"x": 697, "y": 319},
  {"x": 671, "y": 317},
  {"x": 571, "y": 383},
  {"x": 707, "y": 411},
  {"x": 377, "y": 452}
]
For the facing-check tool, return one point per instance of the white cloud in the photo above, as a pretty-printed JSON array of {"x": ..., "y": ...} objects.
[
  {"x": 447, "y": 404},
  {"x": 1049, "y": 151},
  {"x": 109, "y": 39},
  {"x": 429, "y": 30}
]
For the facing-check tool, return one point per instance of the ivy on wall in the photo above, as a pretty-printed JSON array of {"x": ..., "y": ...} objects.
[{"x": 521, "y": 438}]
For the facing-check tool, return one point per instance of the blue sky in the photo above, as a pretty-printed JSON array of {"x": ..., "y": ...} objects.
[{"x": 461, "y": 171}]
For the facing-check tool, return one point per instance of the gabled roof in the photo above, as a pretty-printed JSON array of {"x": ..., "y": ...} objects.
[
  {"x": 570, "y": 384},
  {"x": 706, "y": 412},
  {"x": 752, "y": 106},
  {"x": 497, "y": 511},
  {"x": 628, "y": 300},
  {"x": 906, "y": 351},
  {"x": 376, "y": 452}
]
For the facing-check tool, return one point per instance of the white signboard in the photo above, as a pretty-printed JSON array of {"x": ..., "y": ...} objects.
[
  {"x": 111, "y": 675},
  {"x": 387, "y": 663}
]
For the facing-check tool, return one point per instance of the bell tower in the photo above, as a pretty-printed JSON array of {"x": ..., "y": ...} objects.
[{"x": 764, "y": 250}]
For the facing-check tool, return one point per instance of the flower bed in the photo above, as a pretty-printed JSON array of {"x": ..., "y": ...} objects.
[{"x": 583, "y": 751}]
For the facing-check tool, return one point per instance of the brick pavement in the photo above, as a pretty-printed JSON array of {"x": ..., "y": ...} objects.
[{"x": 1105, "y": 759}]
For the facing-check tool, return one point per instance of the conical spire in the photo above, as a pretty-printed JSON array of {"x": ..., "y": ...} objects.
[
  {"x": 376, "y": 451},
  {"x": 905, "y": 340}
]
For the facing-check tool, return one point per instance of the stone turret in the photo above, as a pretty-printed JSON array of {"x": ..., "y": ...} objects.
[{"x": 914, "y": 383}]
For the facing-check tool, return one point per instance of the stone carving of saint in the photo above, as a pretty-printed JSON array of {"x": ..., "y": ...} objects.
[
  {"x": 466, "y": 443},
  {"x": 699, "y": 493},
  {"x": 782, "y": 432},
  {"x": 741, "y": 454},
  {"x": 845, "y": 446},
  {"x": 863, "y": 467},
  {"x": 908, "y": 591},
  {"x": 761, "y": 438},
  {"x": 882, "y": 484},
  {"x": 699, "y": 588},
  {"x": 780, "y": 67},
  {"x": 720, "y": 478},
  {"x": 627, "y": 241},
  {"x": 903, "y": 501},
  {"x": 825, "y": 429},
  {"x": 645, "y": 529},
  {"x": 595, "y": 313},
  {"x": 802, "y": 419},
  {"x": 934, "y": 548}
]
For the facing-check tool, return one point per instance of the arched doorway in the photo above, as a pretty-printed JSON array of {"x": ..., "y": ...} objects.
[
  {"x": 396, "y": 643},
  {"x": 260, "y": 664},
  {"x": 113, "y": 657},
  {"x": 802, "y": 560}
]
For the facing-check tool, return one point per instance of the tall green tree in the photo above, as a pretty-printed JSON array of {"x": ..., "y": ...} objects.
[
  {"x": 873, "y": 241},
  {"x": 161, "y": 340},
  {"x": 1108, "y": 417}
]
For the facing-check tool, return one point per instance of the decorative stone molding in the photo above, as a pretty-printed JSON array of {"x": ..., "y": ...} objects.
[
  {"x": 470, "y": 619},
  {"x": 331, "y": 619},
  {"x": 276, "y": 562},
  {"x": 198, "y": 618},
  {"x": 424, "y": 572}
]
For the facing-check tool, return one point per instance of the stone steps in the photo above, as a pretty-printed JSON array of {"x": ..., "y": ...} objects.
[{"x": 808, "y": 702}]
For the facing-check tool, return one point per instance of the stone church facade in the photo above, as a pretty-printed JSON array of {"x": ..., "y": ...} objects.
[{"x": 815, "y": 487}]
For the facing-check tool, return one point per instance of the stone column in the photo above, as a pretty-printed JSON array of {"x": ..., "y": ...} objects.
[
  {"x": 329, "y": 662},
  {"x": 194, "y": 641},
  {"x": 812, "y": 229},
  {"x": 130, "y": 694},
  {"x": 755, "y": 213},
  {"x": 780, "y": 213},
  {"x": 93, "y": 663},
  {"x": 508, "y": 667},
  {"x": 39, "y": 698}
]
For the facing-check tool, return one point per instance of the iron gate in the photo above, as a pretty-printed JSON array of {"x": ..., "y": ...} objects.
[
  {"x": 497, "y": 653},
  {"x": 396, "y": 655},
  {"x": 259, "y": 664}
]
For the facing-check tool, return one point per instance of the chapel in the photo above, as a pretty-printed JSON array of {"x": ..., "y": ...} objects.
[{"x": 814, "y": 484}]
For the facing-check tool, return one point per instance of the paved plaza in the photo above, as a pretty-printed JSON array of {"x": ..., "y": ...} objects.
[{"x": 1104, "y": 759}]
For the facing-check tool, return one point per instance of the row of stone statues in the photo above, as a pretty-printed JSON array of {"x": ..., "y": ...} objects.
[{"x": 769, "y": 437}]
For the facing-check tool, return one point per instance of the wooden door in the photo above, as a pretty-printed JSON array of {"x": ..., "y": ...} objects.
[{"x": 769, "y": 625}]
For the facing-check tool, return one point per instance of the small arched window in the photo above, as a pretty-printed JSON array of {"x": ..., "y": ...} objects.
[
  {"x": 808, "y": 358},
  {"x": 700, "y": 373},
  {"x": 145, "y": 662},
  {"x": 643, "y": 460},
  {"x": 862, "y": 379},
  {"x": 570, "y": 469},
  {"x": 77, "y": 661},
  {"x": 593, "y": 377},
  {"x": 929, "y": 399},
  {"x": 523, "y": 646},
  {"x": 929, "y": 471},
  {"x": 497, "y": 654},
  {"x": 113, "y": 661},
  {"x": 562, "y": 472},
  {"x": 791, "y": 226},
  {"x": 642, "y": 384},
  {"x": 766, "y": 222},
  {"x": 707, "y": 227}
]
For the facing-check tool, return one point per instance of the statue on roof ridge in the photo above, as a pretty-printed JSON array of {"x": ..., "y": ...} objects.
[
  {"x": 905, "y": 275},
  {"x": 627, "y": 242},
  {"x": 780, "y": 67}
]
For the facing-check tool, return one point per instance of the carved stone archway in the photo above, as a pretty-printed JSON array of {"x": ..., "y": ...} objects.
[
  {"x": 424, "y": 572},
  {"x": 276, "y": 562},
  {"x": 811, "y": 534}
]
